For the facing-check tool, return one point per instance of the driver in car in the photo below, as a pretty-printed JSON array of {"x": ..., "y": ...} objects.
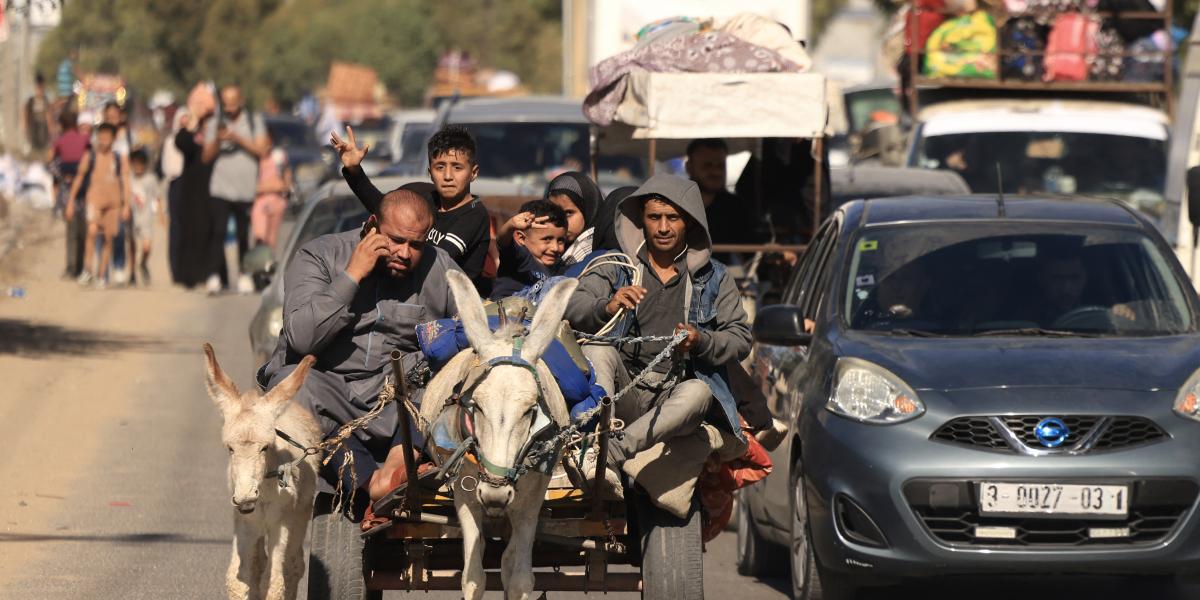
[
  {"x": 1061, "y": 281},
  {"x": 898, "y": 297}
]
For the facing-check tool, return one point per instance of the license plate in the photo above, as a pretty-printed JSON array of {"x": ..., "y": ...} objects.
[{"x": 1053, "y": 499}]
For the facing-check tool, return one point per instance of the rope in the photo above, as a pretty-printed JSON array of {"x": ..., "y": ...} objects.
[{"x": 620, "y": 260}]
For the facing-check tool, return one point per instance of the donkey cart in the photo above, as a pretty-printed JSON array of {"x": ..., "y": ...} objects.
[{"x": 584, "y": 542}]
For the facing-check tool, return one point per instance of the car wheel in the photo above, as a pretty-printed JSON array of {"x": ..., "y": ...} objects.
[
  {"x": 811, "y": 581},
  {"x": 756, "y": 557}
]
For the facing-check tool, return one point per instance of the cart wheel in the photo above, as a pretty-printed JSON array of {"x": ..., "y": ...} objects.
[
  {"x": 672, "y": 560},
  {"x": 335, "y": 561}
]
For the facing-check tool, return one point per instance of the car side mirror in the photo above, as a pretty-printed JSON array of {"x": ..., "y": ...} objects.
[
  {"x": 781, "y": 325},
  {"x": 259, "y": 262}
]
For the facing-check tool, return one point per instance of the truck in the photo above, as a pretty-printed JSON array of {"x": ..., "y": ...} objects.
[{"x": 1018, "y": 125}]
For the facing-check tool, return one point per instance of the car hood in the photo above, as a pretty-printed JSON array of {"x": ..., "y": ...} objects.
[{"x": 1141, "y": 364}]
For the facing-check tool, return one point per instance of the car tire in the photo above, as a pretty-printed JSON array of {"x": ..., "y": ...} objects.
[
  {"x": 335, "y": 562},
  {"x": 672, "y": 553},
  {"x": 810, "y": 580},
  {"x": 756, "y": 557}
]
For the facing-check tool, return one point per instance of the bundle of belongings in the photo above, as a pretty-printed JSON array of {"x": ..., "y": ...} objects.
[
  {"x": 746, "y": 43},
  {"x": 711, "y": 460},
  {"x": 1034, "y": 40}
]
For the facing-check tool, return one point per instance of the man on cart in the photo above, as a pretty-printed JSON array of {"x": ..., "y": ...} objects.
[
  {"x": 351, "y": 298},
  {"x": 673, "y": 285}
]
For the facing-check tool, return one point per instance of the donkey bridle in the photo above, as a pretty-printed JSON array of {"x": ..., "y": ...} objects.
[{"x": 493, "y": 474}]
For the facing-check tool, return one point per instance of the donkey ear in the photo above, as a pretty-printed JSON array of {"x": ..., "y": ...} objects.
[
  {"x": 547, "y": 318},
  {"x": 470, "y": 311},
  {"x": 279, "y": 396},
  {"x": 220, "y": 387}
]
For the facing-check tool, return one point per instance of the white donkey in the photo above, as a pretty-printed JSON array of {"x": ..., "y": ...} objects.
[
  {"x": 271, "y": 519},
  {"x": 504, "y": 396}
]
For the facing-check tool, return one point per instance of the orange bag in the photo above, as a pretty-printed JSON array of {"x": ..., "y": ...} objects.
[{"x": 719, "y": 480}]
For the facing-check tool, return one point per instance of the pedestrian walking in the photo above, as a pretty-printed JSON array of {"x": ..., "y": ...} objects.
[
  {"x": 145, "y": 206},
  {"x": 170, "y": 164},
  {"x": 36, "y": 118},
  {"x": 124, "y": 246},
  {"x": 274, "y": 182},
  {"x": 103, "y": 181},
  {"x": 234, "y": 144},
  {"x": 65, "y": 155},
  {"x": 190, "y": 216}
]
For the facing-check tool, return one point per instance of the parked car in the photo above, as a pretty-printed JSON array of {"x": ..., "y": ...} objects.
[
  {"x": 524, "y": 142},
  {"x": 975, "y": 385},
  {"x": 334, "y": 210}
]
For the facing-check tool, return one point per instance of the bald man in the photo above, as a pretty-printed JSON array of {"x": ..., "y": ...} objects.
[{"x": 350, "y": 299}]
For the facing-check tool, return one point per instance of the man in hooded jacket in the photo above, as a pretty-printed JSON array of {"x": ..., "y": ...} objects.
[{"x": 662, "y": 226}]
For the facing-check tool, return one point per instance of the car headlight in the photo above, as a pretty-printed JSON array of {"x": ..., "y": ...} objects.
[
  {"x": 1187, "y": 403},
  {"x": 869, "y": 393},
  {"x": 275, "y": 322}
]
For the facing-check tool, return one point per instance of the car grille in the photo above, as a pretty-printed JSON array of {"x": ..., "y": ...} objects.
[
  {"x": 1156, "y": 510},
  {"x": 1088, "y": 433}
]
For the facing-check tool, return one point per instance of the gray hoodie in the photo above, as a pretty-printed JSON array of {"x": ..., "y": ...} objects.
[
  {"x": 725, "y": 338},
  {"x": 352, "y": 327}
]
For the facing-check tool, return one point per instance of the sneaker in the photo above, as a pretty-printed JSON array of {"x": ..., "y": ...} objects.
[
  {"x": 99, "y": 284},
  {"x": 119, "y": 277},
  {"x": 84, "y": 278},
  {"x": 611, "y": 488},
  {"x": 213, "y": 285},
  {"x": 245, "y": 285}
]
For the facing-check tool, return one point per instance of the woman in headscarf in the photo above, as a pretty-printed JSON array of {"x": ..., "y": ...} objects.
[
  {"x": 602, "y": 235},
  {"x": 579, "y": 197}
]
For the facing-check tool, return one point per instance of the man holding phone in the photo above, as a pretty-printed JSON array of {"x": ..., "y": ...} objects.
[
  {"x": 351, "y": 298},
  {"x": 234, "y": 143}
]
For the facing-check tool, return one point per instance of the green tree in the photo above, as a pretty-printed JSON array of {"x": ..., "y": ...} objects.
[{"x": 523, "y": 36}]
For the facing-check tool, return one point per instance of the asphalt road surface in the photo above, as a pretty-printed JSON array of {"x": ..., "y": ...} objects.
[{"x": 109, "y": 449}]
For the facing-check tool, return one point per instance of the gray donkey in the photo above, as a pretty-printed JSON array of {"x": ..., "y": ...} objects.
[{"x": 273, "y": 483}]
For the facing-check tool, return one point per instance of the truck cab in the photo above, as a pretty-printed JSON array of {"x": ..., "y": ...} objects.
[{"x": 1050, "y": 146}]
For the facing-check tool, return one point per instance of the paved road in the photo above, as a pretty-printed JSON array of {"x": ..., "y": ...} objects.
[{"x": 114, "y": 472}]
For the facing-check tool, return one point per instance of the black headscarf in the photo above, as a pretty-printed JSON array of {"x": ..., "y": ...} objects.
[
  {"x": 605, "y": 237},
  {"x": 581, "y": 190}
]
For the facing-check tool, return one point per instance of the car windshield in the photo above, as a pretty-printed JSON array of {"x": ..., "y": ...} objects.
[
  {"x": 1010, "y": 279},
  {"x": 1128, "y": 168},
  {"x": 330, "y": 216},
  {"x": 291, "y": 134},
  {"x": 518, "y": 150}
]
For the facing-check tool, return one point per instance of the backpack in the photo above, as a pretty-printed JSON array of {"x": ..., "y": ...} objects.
[
  {"x": 1071, "y": 47},
  {"x": 87, "y": 175}
]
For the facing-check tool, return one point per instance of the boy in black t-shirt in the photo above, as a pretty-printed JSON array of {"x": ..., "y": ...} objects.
[
  {"x": 531, "y": 247},
  {"x": 461, "y": 226}
]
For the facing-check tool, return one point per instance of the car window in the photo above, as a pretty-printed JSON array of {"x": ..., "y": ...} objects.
[
  {"x": 793, "y": 293},
  {"x": 822, "y": 271},
  {"x": 813, "y": 261},
  {"x": 333, "y": 215},
  {"x": 1006, "y": 278}
]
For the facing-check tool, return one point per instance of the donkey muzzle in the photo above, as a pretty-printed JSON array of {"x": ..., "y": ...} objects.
[{"x": 495, "y": 499}]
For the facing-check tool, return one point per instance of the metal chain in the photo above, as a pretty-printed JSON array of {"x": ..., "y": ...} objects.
[
  {"x": 611, "y": 341},
  {"x": 556, "y": 443}
]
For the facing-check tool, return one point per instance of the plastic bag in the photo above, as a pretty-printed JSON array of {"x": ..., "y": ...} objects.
[
  {"x": 963, "y": 47},
  {"x": 1071, "y": 47}
]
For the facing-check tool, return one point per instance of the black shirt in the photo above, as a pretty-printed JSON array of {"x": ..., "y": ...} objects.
[
  {"x": 464, "y": 233},
  {"x": 731, "y": 221}
]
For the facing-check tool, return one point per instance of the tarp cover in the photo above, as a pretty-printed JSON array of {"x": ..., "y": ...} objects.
[{"x": 724, "y": 105}]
